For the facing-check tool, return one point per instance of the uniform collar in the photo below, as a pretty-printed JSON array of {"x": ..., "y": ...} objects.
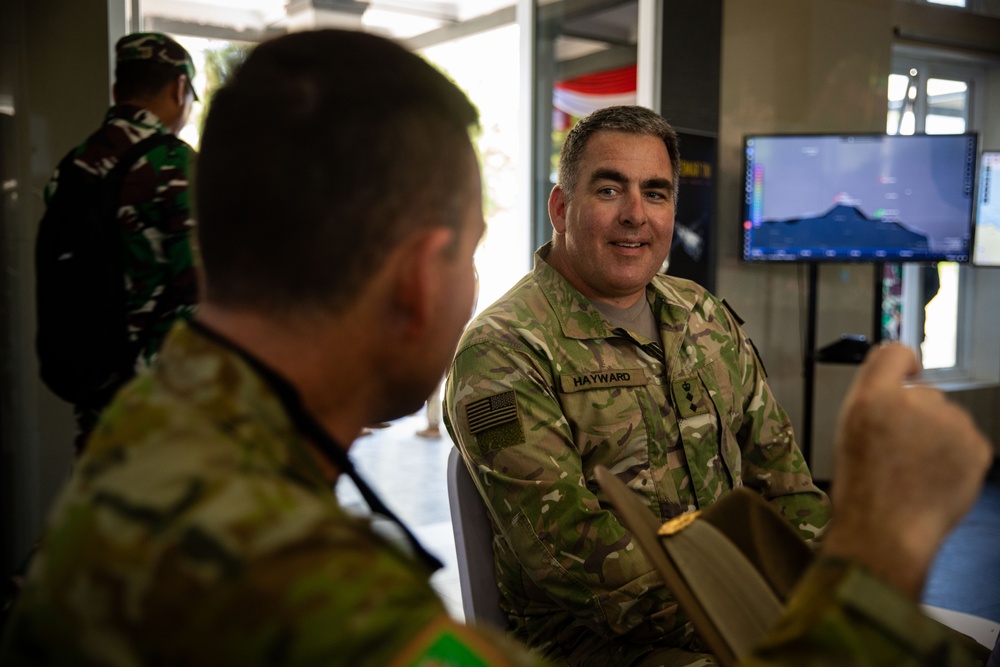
[
  {"x": 670, "y": 299},
  {"x": 136, "y": 115},
  {"x": 206, "y": 364},
  {"x": 283, "y": 408}
]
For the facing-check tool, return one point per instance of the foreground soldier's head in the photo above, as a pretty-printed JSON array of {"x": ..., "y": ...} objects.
[{"x": 338, "y": 193}]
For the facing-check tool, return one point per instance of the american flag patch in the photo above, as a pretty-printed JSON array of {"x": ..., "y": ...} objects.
[{"x": 491, "y": 411}]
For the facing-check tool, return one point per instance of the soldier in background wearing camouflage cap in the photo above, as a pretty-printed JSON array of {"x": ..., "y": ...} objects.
[
  {"x": 153, "y": 95},
  {"x": 594, "y": 358}
]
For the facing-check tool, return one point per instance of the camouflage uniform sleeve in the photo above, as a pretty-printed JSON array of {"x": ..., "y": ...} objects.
[
  {"x": 158, "y": 231},
  {"x": 842, "y": 615},
  {"x": 346, "y": 609},
  {"x": 553, "y": 525},
  {"x": 306, "y": 605},
  {"x": 772, "y": 462}
]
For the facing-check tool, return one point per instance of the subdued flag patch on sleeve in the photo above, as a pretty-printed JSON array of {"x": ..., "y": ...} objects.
[
  {"x": 444, "y": 644},
  {"x": 495, "y": 422}
]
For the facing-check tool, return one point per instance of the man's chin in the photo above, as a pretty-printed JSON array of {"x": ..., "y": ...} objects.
[
  {"x": 632, "y": 283},
  {"x": 404, "y": 405}
]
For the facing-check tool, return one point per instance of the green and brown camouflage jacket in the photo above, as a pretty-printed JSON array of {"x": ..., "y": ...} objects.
[
  {"x": 157, "y": 227},
  {"x": 198, "y": 529},
  {"x": 543, "y": 389}
]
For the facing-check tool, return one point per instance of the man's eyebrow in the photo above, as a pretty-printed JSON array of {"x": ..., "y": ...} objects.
[
  {"x": 658, "y": 184},
  {"x": 606, "y": 174}
]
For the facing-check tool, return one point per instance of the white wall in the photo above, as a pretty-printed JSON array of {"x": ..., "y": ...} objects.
[{"x": 798, "y": 66}]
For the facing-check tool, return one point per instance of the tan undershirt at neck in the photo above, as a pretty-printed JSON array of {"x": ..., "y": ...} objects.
[{"x": 637, "y": 318}]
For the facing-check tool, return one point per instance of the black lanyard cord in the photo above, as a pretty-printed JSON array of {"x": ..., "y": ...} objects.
[{"x": 311, "y": 429}]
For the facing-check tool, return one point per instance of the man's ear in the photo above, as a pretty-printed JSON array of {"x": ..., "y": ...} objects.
[
  {"x": 421, "y": 277},
  {"x": 180, "y": 90},
  {"x": 557, "y": 209}
]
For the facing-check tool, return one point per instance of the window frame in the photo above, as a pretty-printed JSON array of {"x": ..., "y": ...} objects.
[{"x": 971, "y": 364}]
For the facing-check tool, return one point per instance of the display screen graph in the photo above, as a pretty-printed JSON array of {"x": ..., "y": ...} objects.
[{"x": 858, "y": 197}]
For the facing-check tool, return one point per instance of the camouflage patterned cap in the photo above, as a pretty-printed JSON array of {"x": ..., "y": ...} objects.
[{"x": 157, "y": 47}]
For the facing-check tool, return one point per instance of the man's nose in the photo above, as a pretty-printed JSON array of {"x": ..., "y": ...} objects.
[{"x": 633, "y": 210}]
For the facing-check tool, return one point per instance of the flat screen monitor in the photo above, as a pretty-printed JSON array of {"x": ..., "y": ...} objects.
[
  {"x": 987, "y": 247},
  {"x": 858, "y": 197}
]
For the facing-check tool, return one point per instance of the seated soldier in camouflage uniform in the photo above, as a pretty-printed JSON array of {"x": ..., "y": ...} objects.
[
  {"x": 594, "y": 358},
  {"x": 199, "y": 527}
]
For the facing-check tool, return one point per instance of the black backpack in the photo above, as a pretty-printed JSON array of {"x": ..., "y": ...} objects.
[{"x": 82, "y": 340}]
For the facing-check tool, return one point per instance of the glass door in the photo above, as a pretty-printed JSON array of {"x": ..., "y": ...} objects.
[{"x": 585, "y": 56}]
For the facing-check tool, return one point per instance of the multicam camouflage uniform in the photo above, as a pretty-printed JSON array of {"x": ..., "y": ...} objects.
[
  {"x": 840, "y": 614},
  {"x": 198, "y": 529},
  {"x": 157, "y": 229},
  {"x": 543, "y": 389}
]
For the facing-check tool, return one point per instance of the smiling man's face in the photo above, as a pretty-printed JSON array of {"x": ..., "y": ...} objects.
[{"x": 613, "y": 233}]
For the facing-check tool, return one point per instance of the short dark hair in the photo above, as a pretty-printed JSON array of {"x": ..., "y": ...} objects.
[
  {"x": 143, "y": 79},
  {"x": 631, "y": 119},
  {"x": 321, "y": 153}
]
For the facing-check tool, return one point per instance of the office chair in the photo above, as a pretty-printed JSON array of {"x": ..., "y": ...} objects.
[{"x": 473, "y": 545}]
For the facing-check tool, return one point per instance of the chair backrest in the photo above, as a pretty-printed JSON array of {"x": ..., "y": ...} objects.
[{"x": 474, "y": 547}]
